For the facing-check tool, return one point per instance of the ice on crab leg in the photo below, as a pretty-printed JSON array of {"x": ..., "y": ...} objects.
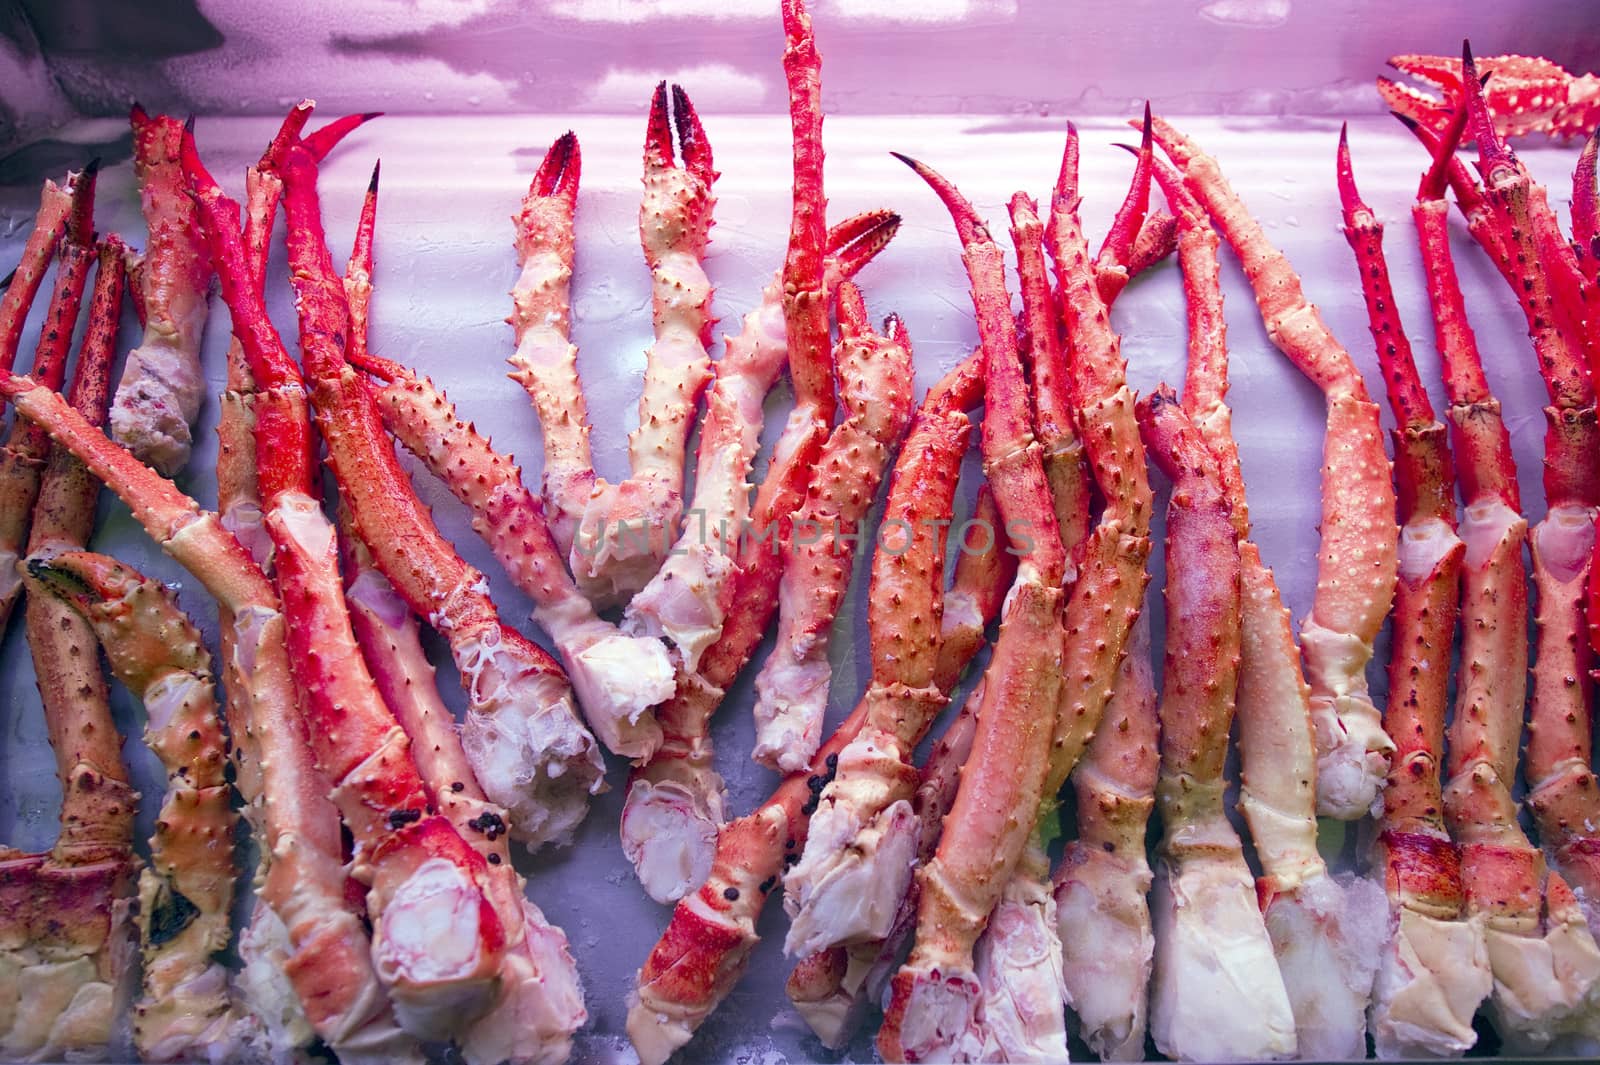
[
  {"x": 158, "y": 397},
  {"x": 708, "y": 941},
  {"x": 1216, "y": 993},
  {"x": 26, "y": 447},
  {"x": 935, "y": 996},
  {"x": 1359, "y": 535},
  {"x": 185, "y": 894},
  {"x": 521, "y": 730},
  {"x": 65, "y": 946}
]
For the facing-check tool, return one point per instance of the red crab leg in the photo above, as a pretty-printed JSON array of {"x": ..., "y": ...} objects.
[
  {"x": 520, "y": 703},
  {"x": 1561, "y": 786},
  {"x": 674, "y": 804},
  {"x": 1358, "y": 504},
  {"x": 617, "y": 678},
  {"x": 792, "y": 687},
  {"x": 26, "y": 447},
  {"x": 417, "y": 860},
  {"x": 84, "y": 887},
  {"x": 1216, "y": 993},
  {"x": 158, "y": 396},
  {"x": 1422, "y": 873},
  {"x": 832, "y": 988},
  {"x": 708, "y": 940},
  {"x": 1530, "y": 95},
  {"x": 186, "y": 893},
  {"x": 55, "y": 210},
  {"x": 306, "y": 927},
  {"x": 627, "y": 529},
  {"x": 540, "y": 1001},
  {"x": 935, "y": 996},
  {"x": 1539, "y": 969}
]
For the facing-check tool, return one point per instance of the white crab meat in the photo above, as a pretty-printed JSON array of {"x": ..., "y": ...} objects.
[
  {"x": 1019, "y": 965},
  {"x": 1432, "y": 975},
  {"x": 1327, "y": 935},
  {"x": 669, "y": 833}
]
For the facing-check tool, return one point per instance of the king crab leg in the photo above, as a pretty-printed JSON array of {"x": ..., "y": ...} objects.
[
  {"x": 617, "y": 535},
  {"x": 936, "y": 995},
  {"x": 617, "y": 678},
  {"x": 1436, "y": 969},
  {"x": 158, "y": 398},
  {"x": 22, "y": 285},
  {"x": 1542, "y": 969},
  {"x": 1358, "y": 556},
  {"x": 186, "y": 892},
  {"x": 26, "y": 448},
  {"x": 521, "y": 730},
  {"x": 65, "y": 957},
  {"x": 427, "y": 884},
  {"x": 792, "y": 687},
  {"x": 708, "y": 940},
  {"x": 831, "y": 988},
  {"x": 1530, "y": 95},
  {"x": 1561, "y": 786}
]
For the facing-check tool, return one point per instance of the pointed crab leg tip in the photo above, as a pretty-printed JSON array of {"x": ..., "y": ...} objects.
[
  {"x": 188, "y": 124},
  {"x": 1349, "y": 196},
  {"x": 969, "y": 227},
  {"x": 372, "y": 185},
  {"x": 92, "y": 167}
]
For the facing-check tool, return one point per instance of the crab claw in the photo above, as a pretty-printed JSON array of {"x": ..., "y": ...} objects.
[
  {"x": 1493, "y": 152},
  {"x": 1066, "y": 190},
  {"x": 1585, "y": 204},
  {"x": 288, "y": 134},
  {"x": 856, "y": 241},
  {"x": 1129, "y": 220}
]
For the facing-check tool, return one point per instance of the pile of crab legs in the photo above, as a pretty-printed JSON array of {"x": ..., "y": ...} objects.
[{"x": 418, "y": 929}]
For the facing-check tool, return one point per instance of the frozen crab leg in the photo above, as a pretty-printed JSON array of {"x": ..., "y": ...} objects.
[
  {"x": 1561, "y": 786},
  {"x": 1356, "y": 563},
  {"x": 521, "y": 731},
  {"x": 675, "y": 802},
  {"x": 540, "y": 1001},
  {"x": 159, "y": 395},
  {"x": 1543, "y": 966},
  {"x": 792, "y": 687},
  {"x": 831, "y": 988},
  {"x": 185, "y": 893},
  {"x": 617, "y": 535},
  {"x": 935, "y": 997},
  {"x": 1530, "y": 95},
  {"x": 617, "y": 678},
  {"x": 65, "y": 947},
  {"x": 708, "y": 941},
  {"x": 1436, "y": 970},
  {"x": 437, "y": 942},
  {"x": 307, "y": 967},
  {"x": 1216, "y": 992},
  {"x": 26, "y": 447}
]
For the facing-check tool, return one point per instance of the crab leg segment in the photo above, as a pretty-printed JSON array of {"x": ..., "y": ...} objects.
[
  {"x": 935, "y": 996},
  {"x": 22, "y": 285},
  {"x": 1542, "y": 968},
  {"x": 417, "y": 863},
  {"x": 1529, "y": 95},
  {"x": 26, "y": 447},
  {"x": 1437, "y": 970},
  {"x": 792, "y": 687},
  {"x": 708, "y": 941},
  {"x": 159, "y": 395},
  {"x": 1357, "y": 560},
  {"x": 185, "y": 895},
  {"x": 617, "y": 678},
  {"x": 1216, "y": 993},
  {"x": 80, "y": 893},
  {"x": 520, "y": 704}
]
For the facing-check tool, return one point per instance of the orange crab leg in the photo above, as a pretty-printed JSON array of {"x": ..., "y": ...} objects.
[
  {"x": 711, "y": 933},
  {"x": 1358, "y": 504},
  {"x": 26, "y": 447},
  {"x": 55, "y": 211}
]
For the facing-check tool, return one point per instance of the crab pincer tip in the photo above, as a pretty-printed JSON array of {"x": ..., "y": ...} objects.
[
  {"x": 1349, "y": 196},
  {"x": 558, "y": 170},
  {"x": 1493, "y": 152},
  {"x": 1067, "y": 179},
  {"x": 969, "y": 227},
  {"x": 894, "y": 329},
  {"x": 694, "y": 147},
  {"x": 137, "y": 114},
  {"x": 188, "y": 124}
]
